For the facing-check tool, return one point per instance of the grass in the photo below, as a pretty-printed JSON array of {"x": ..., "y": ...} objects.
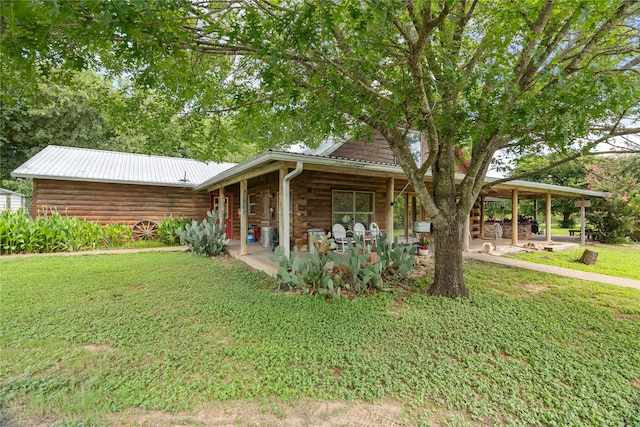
[
  {"x": 88, "y": 335},
  {"x": 612, "y": 261}
]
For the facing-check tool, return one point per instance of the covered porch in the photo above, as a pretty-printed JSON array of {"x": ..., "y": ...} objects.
[{"x": 292, "y": 193}]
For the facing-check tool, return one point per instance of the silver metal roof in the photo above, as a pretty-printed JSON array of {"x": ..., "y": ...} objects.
[
  {"x": 81, "y": 164},
  {"x": 4, "y": 191},
  {"x": 352, "y": 165}
]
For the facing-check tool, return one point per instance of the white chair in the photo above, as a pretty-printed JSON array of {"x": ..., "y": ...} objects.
[
  {"x": 375, "y": 231},
  {"x": 360, "y": 231},
  {"x": 340, "y": 235}
]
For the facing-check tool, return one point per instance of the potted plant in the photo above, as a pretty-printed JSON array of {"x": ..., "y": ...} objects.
[{"x": 423, "y": 246}]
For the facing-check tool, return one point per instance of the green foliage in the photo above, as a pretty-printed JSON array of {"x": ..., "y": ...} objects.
[
  {"x": 97, "y": 336},
  {"x": 395, "y": 261},
  {"x": 205, "y": 238},
  {"x": 616, "y": 218},
  {"x": 116, "y": 235},
  {"x": 52, "y": 232},
  {"x": 360, "y": 270},
  {"x": 168, "y": 227}
]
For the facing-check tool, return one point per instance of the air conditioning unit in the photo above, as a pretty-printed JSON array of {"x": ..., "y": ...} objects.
[{"x": 422, "y": 227}]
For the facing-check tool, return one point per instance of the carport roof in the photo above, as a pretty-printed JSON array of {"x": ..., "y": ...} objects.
[{"x": 81, "y": 164}]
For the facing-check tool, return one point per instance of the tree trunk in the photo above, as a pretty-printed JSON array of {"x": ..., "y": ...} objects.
[{"x": 448, "y": 280}]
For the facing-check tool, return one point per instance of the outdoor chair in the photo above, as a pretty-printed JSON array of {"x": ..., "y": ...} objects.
[
  {"x": 341, "y": 236},
  {"x": 374, "y": 230}
]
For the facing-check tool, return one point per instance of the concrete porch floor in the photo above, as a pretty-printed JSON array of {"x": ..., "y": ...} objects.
[{"x": 259, "y": 256}]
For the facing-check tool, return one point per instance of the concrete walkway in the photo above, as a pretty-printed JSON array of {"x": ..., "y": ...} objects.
[
  {"x": 577, "y": 274},
  {"x": 101, "y": 252}
]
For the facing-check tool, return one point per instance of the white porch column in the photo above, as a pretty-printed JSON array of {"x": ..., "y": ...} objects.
[
  {"x": 282, "y": 172},
  {"x": 244, "y": 218},
  {"x": 547, "y": 220},
  {"x": 514, "y": 216},
  {"x": 388, "y": 221}
]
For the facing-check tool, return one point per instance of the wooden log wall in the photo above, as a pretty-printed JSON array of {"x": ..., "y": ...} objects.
[
  {"x": 377, "y": 150},
  {"x": 118, "y": 203},
  {"x": 312, "y": 200}
]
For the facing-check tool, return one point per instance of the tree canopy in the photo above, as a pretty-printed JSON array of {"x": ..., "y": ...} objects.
[{"x": 487, "y": 77}]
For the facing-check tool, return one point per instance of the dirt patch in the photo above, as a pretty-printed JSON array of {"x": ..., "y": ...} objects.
[
  {"x": 242, "y": 413},
  {"x": 636, "y": 382},
  {"x": 98, "y": 348},
  {"x": 534, "y": 289}
]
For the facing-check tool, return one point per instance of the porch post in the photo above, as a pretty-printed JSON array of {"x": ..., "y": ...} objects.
[
  {"x": 466, "y": 237},
  {"x": 282, "y": 172},
  {"x": 547, "y": 229},
  {"x": 221, "y": 209},
  {"x": 388, "y": 221},
  {"x": 481, "y": 217},
  {"x": 407, "y": 212},
  {"x": 244, "y": 218},
  {"x": 514, "y": 216}
]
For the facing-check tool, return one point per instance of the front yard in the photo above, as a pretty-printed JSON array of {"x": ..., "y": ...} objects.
[{"x": 86, "y": 340}]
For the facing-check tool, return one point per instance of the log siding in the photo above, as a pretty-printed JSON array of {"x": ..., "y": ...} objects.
[{"x": 118, "y": 203}]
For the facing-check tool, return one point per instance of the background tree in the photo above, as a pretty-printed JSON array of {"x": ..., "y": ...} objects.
[
  {"x": 616, "y": 218},
  {"x": 486, "y": 77}
]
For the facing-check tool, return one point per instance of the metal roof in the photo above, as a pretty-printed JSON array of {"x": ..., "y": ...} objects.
[
  {"x": 351, "y": 165},
  {"x": 81, "y": 164},
  {"x": 4, "y": 191}
]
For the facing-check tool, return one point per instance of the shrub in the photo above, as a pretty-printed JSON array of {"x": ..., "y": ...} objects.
[
  {"x": 205, "y": 238},
  {"x": 167, "y": 229},
  {"x": 358, "y": 271},
  {"x": 116, "y": 235},
  {"x": 50, "y": 232}
]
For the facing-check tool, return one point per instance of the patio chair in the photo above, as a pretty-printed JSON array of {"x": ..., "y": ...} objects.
[
  {"x": 374, "y": 230},
  {"x": 360, "y": 232},
  {"x": 340, "y": 235}
]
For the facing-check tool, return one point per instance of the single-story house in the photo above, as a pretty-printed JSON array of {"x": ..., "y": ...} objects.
[
  {"x": 11, "y": 201},
  {"x": 346, "y": 183}
]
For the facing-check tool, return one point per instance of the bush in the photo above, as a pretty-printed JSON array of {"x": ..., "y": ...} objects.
[
  {"x": 50, "y": 232},
  {"x": 360, "y": 270},
  {"x": 168, "y": 227},
  {"x": 612, "y": 220},
  {"x": 206, "y": 238}
]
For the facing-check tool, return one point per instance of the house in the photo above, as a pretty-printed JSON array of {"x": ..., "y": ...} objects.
[
  {"x": 338, "y": 182},
  {"x": 11, "y": 201},
  {"x": 112, "y": 187}
]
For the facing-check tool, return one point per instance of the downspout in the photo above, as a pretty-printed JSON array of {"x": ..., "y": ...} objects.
[{"x": 286, "y": 219}]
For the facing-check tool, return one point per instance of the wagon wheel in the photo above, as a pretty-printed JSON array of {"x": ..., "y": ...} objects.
[{"x": 144, "y": 230}]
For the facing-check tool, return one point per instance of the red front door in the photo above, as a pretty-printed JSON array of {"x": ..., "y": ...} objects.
[{"x": 228, "y": 219}]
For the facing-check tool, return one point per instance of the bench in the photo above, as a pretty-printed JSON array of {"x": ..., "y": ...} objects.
[{"x": 588, "y": 232}]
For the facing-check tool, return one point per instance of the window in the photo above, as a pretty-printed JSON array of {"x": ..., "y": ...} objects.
[
  {"x": 349, "y": 207},
  {"x": 252, "y": 204},
  {"x": 414, "y": 141}
]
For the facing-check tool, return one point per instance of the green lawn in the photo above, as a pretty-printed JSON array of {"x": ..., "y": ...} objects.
[
  {"x": 612, "y": 260},
  {"x": 85, "y": 336}
]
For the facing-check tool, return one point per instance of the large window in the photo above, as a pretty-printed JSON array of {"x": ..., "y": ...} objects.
[
  {"x": 350, "y": 207},
  {"x": 414, "y": 141}
]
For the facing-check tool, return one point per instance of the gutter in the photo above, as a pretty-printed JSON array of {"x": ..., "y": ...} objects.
[{"x": 286, "y": 219}]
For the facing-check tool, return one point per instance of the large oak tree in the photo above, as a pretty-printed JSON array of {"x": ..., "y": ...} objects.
[{"x": 487, "y": 77}]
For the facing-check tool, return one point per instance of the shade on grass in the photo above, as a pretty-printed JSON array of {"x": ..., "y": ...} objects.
[{"x": 83, "y": 336}]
